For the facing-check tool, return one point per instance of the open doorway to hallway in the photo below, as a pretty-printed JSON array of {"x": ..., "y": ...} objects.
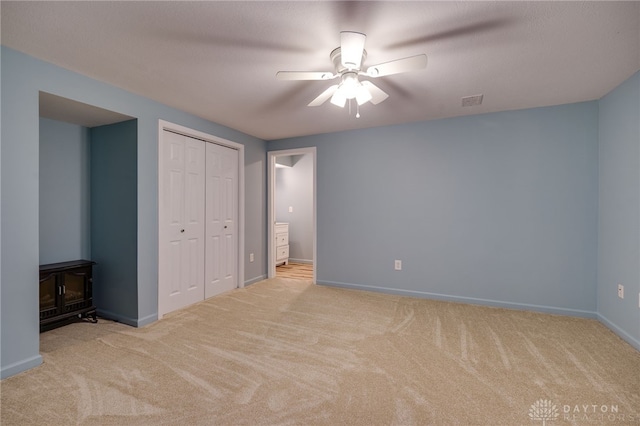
[{"x": 292, "y": 214}]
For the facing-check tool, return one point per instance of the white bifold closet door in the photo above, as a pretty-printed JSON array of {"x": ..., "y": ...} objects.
[
  {"x": 221, "y": 226},
  {"x": 198, "y": 200}
]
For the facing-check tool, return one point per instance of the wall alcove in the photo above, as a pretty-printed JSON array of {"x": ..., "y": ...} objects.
[{"x": 88, "y": 197}]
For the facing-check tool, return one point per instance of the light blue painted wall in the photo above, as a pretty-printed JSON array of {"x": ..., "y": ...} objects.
[
  {"x": 255, "y": 172},
  {"x": 22, "y": 77},
  {"x": 294, "y": 188},
  {"x": 619, "y": 211},
  {"x": 114, "y": 225},
  {"x": 88, "y": 207},
  {"x": 64, "y": 192},
  {"x": 498, "y": 209}
]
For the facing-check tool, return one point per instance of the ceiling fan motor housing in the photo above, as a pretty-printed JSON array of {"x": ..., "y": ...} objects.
[{"x": 336, "y": 58}]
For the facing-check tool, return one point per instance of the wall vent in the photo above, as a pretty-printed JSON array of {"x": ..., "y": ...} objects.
[{"x": 472, "y": 100}]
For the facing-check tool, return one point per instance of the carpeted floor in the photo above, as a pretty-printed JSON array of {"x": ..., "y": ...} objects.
[{"x": 288, "y": 352}]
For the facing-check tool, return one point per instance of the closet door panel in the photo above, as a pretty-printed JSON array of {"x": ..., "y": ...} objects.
[
  {"x": 221, "y": 211},
  {"x": 181, "y": 216},
  {"x": 194, "y": 223}
]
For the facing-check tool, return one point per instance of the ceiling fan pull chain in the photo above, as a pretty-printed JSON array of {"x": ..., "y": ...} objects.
[{"x": 357, "y": 110}]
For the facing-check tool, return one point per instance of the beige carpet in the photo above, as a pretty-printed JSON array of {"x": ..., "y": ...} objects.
[{"x": 288, "y": 352}]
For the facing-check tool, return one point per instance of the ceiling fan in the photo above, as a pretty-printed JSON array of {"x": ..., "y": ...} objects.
[{"x": 347, "y": 60}]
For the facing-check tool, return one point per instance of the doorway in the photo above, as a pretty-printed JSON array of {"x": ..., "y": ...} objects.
[{"x": 275, "y": 157}]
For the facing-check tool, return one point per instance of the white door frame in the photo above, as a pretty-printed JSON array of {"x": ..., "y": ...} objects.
[
  {"x": 271, "y": 210},
  {"x": 166, "y": 125}
]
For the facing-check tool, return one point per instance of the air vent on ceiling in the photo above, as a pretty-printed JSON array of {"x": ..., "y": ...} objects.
[{"x": 472, "y": 100}]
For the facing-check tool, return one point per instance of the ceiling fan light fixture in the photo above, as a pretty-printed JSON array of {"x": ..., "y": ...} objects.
[
  {"x": 349, "y": 85},
  {"x": 350, "y": 88},
  {"x": 339, "y": 98},
  {"x": 363, "y": 95},
  {"x": 347, "y": 61}
]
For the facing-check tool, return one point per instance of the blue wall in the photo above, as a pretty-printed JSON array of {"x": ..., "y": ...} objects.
[
  {"x": 498, "y": 209},
  {"x": 114, "y": 225},
  {"x": 64, "y": 192},
  {"x": 619, "y": 213},
  {"x": 88, "y": 207},
  {"x": 22, "y": 79}
]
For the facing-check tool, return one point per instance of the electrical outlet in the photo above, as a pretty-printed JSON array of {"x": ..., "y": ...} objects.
[
  {"x": 620, "y": 291},
  {"x": 251, "y": 258},
  {"x": 290, "y": 209},
  {"x": 398, "y": 265}
]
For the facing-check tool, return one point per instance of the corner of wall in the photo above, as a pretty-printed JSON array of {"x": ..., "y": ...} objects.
[
  {"x": 19, "y": 367},
  {"x": 619, "y": 210},
  {"x": 619, "y": 331}
]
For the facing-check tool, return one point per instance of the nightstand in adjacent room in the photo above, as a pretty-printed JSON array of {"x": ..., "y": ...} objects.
[{"x": 282, "y": 243}]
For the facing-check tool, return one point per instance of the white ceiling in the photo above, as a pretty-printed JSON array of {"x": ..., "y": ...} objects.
[{"x": 218, "y": 60}]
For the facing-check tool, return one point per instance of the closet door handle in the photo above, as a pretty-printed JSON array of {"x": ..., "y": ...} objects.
[{"x": 182, "y": 230}]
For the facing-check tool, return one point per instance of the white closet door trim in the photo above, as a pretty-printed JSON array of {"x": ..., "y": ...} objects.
[{"x": 176, "y": 128}]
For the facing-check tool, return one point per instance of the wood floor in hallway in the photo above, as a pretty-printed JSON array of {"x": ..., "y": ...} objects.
[{"x": 300, "y": 271}]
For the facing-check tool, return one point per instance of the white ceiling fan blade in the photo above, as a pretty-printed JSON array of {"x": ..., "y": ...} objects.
[
  {"x": 377, "y": 94},
  {"x": 324, "y": 96},
  {"x": 351, "y": 48},
  {"x": 305, "y": 75},
  {"x": 398, "y": 66}
]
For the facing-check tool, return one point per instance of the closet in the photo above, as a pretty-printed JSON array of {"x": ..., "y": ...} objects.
[{"x": 198, "y": 217}]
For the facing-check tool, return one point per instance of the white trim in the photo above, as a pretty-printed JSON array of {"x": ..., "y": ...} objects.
[
  {"x": 166, "y": 125},
  {"x": 271, "y": 246}
]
